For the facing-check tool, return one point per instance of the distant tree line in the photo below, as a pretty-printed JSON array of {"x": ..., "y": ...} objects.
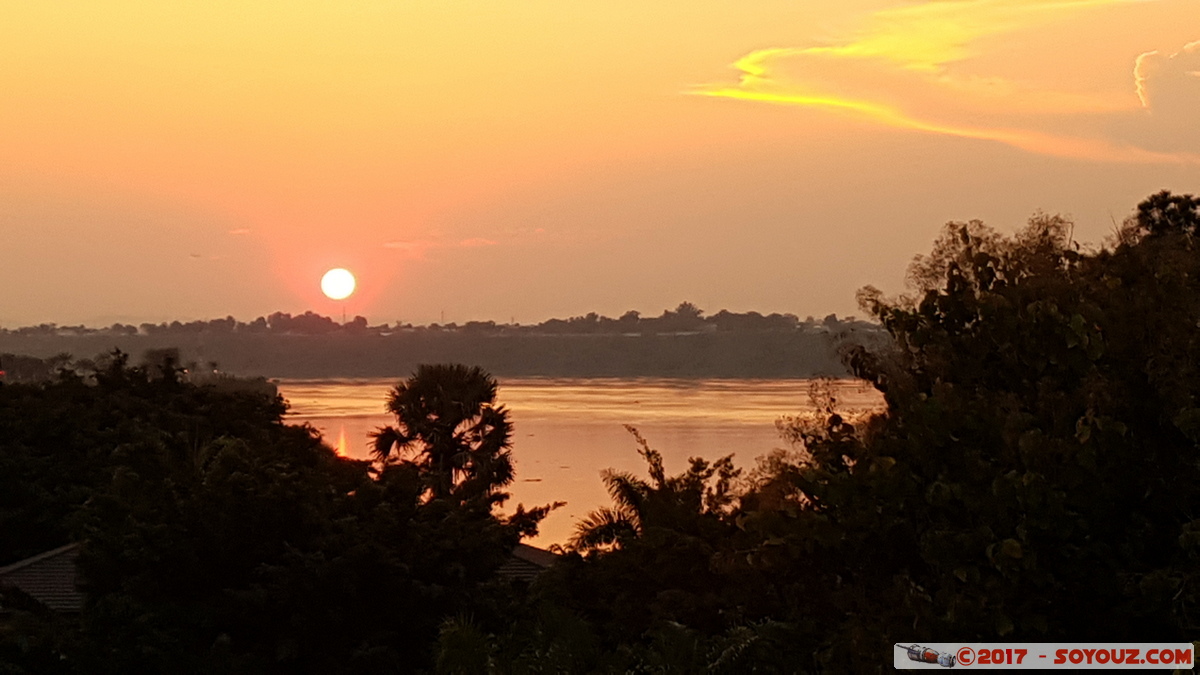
[
  {"x": 766, "y": 354},
  {"x": 681, "y": 343},
  {"x": 685, "y": 318}
]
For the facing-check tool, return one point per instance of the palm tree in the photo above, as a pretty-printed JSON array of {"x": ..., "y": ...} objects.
[
  {"x": 613, "y": 526},
  {"x": 687, "y": 503},
  {"x": 451, "y": 429}
]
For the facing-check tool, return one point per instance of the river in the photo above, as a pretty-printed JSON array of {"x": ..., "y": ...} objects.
[{"x": 566, "y": 431}]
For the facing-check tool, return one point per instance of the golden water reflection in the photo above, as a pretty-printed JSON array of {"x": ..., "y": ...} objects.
[{"x": 568, "y": 430}]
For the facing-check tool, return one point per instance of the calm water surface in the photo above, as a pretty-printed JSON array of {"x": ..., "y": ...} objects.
[{"x": 566, "y": 431}]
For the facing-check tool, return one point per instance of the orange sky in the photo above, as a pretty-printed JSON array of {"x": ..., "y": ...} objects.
[{"x": 528, "y": 159}]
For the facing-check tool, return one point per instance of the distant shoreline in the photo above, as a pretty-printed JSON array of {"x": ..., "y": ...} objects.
[{"x": 733, "y": 354}]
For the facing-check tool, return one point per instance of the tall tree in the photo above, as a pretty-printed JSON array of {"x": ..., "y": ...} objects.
[
  {"x": 1040, "y": 448},
  {"x": 450, "y": 428}
]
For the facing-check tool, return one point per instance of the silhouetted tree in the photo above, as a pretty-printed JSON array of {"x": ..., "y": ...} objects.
[
  {"x": 450, "y": 428},
  {"x": 215, "y": 538},
  {"x": 1035, "y": 476},
  {"x": 1164, "y": 212},
  {"x": 681, "y": 503}
]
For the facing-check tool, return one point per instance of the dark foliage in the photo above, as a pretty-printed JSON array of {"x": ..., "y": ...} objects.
[
  {"x": 1034, "y": 478},
  {"x": 217, "y": 539}
]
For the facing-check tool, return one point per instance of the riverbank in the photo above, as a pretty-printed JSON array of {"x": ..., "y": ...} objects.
[{"x": 739, "y": 354}]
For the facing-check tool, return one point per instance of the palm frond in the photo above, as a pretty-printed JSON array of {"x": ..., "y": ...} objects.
[
  {"x": 384, "y": 440},
  {"x": 627, "y": 490},
  {"x": 602, "y": 527}
]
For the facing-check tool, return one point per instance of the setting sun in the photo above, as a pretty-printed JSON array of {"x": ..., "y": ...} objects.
[{"x": 337, "y": 284}]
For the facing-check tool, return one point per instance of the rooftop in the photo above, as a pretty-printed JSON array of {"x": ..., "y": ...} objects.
[{"x": 48, "y": 577}]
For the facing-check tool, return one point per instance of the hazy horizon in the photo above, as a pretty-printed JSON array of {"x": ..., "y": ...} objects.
[
  {"x": 107, "y": 322},
  {"x": 521, "y": 161}
]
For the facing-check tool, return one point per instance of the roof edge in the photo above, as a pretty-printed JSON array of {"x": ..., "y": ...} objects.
[
  {"x": 39, "y": 557},
  {"x": 537, "y": 556}
]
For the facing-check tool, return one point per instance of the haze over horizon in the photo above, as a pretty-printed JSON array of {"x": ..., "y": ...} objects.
[{"x": 522, "y": 161}]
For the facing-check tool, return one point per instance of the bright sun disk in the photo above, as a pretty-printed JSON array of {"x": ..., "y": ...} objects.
[{"x": 337, "y": 284}]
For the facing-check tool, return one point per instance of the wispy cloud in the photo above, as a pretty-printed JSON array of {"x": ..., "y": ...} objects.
[
  {"x": 475, "y": 242},
  {"x": 917, "y": 67},
  {"x": 1141, "y": 73},
  {"x": 241, "y": 231},
  {"x": 927, "y": 36},
  {"x": 417, "y": 249}
]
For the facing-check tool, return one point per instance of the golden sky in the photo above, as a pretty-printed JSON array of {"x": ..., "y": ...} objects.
[{"x": 527, "y": 158}]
